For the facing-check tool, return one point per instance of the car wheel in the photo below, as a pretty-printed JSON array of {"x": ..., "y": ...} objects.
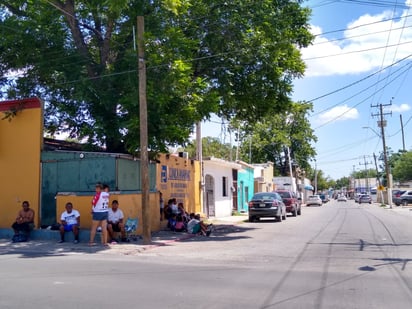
[
  {"x": 279, "y": 218},
  {"x": 295, "y": 212},
  {"x": 251, "y": 219},
  {"x": 284, "y": 216},
  {"x": 405, "y": 203},
  {"x": 299, "y": 211}
]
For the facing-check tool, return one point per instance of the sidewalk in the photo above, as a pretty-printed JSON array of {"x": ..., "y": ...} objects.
[
  {"x": 44, "y": 242},
  {"x": 404, "y": 210}
]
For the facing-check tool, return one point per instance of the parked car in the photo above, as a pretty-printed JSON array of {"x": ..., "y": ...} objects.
[
  {"x": 291, "y": 201},
  {"x": 396, "y": 194},
  {"x": 404, "y": 199},
  {"x": 324, "y": 198},
  {"x": 267, "y": 204},
  {"x": 357, "y": 196},
  {"x": 365, "y": 198},
  {"x": 342, "y": 198},
  {"x": 314, "y": 200}
]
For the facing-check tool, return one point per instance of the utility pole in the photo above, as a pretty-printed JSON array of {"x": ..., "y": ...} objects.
[
  {"x": 378, "y": 178},
  {"x": 316, "y": 178},
  {"x": 403, "y": 134},
  {"x": 199, "y": 157},
  {"x": 144, "y": 157},
  {"x": 366, "y": 173},
  {"x": 291, "y": 171},
  {"x": 382, "y": 125}
]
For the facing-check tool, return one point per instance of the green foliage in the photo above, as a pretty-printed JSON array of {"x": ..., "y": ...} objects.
[
  {"x": 270, "y": 139},
  {"x": 368, "y": 173},
  {"x": 402, "y": 170},
  {"x": 237, "y": 59},
  {"x": 343, "y": 182},
  {"x": 212, "y": 147}
]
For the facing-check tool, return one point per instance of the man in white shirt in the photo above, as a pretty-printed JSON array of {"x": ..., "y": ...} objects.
[
  {"x": 70, "y": 221},
  {"x": 115, "y": 222}
]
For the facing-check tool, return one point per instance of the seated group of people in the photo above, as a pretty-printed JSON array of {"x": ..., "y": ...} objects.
[
  {"x": 181, "y": 221},
  {"x": 69, "y": 222}
]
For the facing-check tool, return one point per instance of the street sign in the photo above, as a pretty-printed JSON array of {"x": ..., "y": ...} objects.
[{"x": 381, "y": 188}]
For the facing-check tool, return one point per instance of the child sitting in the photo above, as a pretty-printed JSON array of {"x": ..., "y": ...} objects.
[{"x": 180, "y": 225}]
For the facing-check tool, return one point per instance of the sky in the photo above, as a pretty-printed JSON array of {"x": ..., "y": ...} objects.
[{"x": 360, "y": 59}]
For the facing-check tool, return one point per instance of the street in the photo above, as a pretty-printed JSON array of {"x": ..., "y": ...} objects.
[{"x": 340, "y": 255}]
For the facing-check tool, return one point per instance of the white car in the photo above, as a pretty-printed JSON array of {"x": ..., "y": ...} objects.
[
  {"x": 314, "y": 200},
  {"x": 342, "y": 198}
]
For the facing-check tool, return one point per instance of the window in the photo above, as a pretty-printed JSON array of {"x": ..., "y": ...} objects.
[{"x": 224, "y": 186}]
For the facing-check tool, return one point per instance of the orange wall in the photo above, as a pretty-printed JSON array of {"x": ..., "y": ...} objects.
[
  {"x": 20, "y": 147},
  {"x": 130, "y": 204},
  {"x": 180, "y": 178}
]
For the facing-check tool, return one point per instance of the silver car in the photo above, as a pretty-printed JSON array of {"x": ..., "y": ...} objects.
[{"x": 314, "y": 200}]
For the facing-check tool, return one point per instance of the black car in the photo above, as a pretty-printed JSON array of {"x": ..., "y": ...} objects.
[{"x": 268, "y": 205}]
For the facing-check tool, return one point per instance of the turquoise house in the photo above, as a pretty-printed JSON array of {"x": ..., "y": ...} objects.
[{"x": 245, "y": 186}]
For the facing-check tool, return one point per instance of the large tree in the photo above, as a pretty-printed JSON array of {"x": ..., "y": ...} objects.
[
  {"x": 234, "y": 58},
  {"x": 212, "y": 147},
  {"x": 402, "y": 170},
  {"x": 276, "y": 134}
]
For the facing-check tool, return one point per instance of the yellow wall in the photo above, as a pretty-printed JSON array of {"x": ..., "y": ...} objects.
[
  {"x": 180, "y": 178},
  {"x": 20, "y": 147},
  {"x": 130, "y": 204}
]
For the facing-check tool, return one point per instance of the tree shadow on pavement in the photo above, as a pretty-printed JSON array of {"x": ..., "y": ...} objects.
[{"x": 40, "y": 249}]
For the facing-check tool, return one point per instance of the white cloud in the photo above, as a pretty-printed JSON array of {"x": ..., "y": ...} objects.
[
  {"x": 369, "y": 43},
  {"x": 400, "y": 108},
  {"x": 339, "y": 113}
]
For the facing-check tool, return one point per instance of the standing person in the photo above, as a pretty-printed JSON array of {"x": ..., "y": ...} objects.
[
  {"x": 24, "y": 220},
  {"x": 100, "y": 213},
  {"x": 162, "y": 205},
  {"x": 115, "y": 222},
  {"x": 70, "y": 221},
  {"x": 174, "y": 207}
]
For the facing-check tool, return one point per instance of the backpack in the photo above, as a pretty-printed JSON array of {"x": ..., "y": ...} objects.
[{"x": 19, "y": 238}]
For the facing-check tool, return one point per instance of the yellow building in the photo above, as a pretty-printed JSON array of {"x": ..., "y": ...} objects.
[
  {"x": 49, "y": 179},
  {"x": 21, "y": 132},
  {"x": 179, "y": 177}
]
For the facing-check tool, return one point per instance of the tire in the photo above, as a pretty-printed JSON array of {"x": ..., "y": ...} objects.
[
  {"x": 295, "y": 212},
  {"x": 285, "y": 215},
  {"x": 251, "y": 219},
  {"x": 279, "y": 218},
  {"x": 405, "y": 203},
  {"x": 299, "y": 211}
]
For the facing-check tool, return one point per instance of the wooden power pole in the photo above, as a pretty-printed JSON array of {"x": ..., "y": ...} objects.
[{"x": 144, "y": 157}]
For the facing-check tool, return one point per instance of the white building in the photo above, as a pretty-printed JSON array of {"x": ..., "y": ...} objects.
[{"x": 220, "y": 187}]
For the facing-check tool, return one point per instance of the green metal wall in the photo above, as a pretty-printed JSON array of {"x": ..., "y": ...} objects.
[{"x": 78, "y": 172}]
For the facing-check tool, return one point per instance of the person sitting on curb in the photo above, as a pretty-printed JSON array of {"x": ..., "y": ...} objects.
[
  {"x": 197, "y": 226},
  {"x": 70, "y": 222},
  {"x": 180, "y": 224},
  {"x": 115, "y": 222},
  {"x": 24, "y": 221}
]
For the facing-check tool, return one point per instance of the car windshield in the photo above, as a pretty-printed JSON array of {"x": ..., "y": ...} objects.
[
  {"x": 284, "y": 194},
  {"x": 264, "y": 196}
]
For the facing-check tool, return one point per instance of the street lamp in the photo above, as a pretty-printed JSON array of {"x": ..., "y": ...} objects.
[
  {"x": 373, "y": 130},
  {"x": 385, "y": 159}
]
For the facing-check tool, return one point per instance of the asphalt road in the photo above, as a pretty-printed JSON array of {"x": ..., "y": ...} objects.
[{"x": 340, "y": 255}]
